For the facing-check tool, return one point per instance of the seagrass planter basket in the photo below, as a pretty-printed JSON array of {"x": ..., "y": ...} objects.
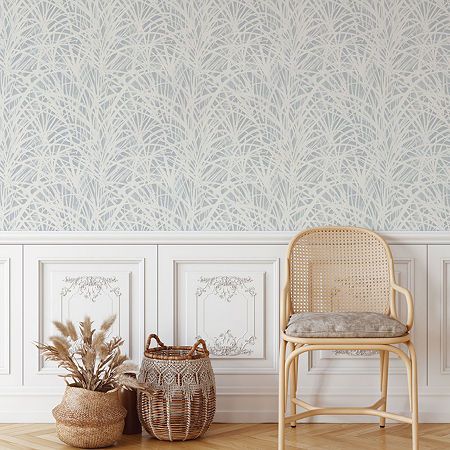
[
  {"x": 89, "y": 419},
  {"x": 183, "y": 403}
]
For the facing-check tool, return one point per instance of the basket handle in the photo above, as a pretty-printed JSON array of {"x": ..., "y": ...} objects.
[
  {"x": 195, "y": 346},
  {"x": 149, "y": 340}
]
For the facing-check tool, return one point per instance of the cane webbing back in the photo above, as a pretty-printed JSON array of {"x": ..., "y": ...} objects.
[{"x": 339, "y": 269}]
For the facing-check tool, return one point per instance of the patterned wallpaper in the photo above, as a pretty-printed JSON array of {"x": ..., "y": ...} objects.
[{"x": 224, "y": 114}]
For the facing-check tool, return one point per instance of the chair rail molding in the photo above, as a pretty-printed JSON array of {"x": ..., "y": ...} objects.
[{"x": 197, "y": 237}]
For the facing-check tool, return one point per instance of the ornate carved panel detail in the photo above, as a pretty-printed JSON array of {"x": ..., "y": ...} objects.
[
  {"x": 90, "y": 287},
  {"x": 225, "y": 287},
  {"x": 228, "y": 345},
  {"x": 364, "y": 353}
]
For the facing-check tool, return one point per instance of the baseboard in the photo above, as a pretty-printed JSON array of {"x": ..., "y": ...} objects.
[
  {"x": 271, "y": 417},
  {"x": 27, "y": 406},
  {"x": 222, "y": 416}
]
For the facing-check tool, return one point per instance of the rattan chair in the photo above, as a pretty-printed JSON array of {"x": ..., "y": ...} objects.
[{"x": 340, "y": 295}]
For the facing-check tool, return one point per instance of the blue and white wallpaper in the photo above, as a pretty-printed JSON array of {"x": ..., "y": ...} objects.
[{"x": 224, "y": 115}]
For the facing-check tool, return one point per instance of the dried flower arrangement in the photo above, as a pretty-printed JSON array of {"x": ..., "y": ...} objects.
[{"x": 93, "y": 362}]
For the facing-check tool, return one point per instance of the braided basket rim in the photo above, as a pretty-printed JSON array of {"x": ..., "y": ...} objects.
[{"x": 158, "y": 353}]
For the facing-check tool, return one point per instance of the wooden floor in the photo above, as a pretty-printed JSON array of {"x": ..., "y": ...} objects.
[{"x": 252, "y": 436}]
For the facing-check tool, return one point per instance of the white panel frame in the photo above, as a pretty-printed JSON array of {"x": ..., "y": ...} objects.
[
  {"x": 439, "y": 315},
  {"x": 11, "y": 315},
  {"x": 269, "y": 258},
  {"x": 5, "y": 307},
  {"x": 142, "y": 260},
  {"x": 56, "y": 305}
]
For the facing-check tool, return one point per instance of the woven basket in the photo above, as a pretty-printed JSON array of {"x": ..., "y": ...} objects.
[
  {"x": 89, "y": 419},
  {"x": 183, "y": 404}
]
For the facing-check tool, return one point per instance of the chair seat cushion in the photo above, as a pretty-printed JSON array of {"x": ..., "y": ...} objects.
[{"x": 344, "y": 325}]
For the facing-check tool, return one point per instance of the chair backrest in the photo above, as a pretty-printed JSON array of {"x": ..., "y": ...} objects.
[{"x": 339, "y": 269}]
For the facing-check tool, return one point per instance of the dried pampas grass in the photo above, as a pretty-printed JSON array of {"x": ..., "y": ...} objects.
[{"x": 92, "y": 361}]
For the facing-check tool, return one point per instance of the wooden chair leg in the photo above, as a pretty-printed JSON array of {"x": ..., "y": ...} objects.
[
  {"x": 281, "y": 396},
  {"x": 293, "y": 388},
  {"x": 384, "y": 374},
  {"x": 414, "y": 397}
]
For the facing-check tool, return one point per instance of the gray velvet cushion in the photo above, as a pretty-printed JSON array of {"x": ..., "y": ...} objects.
[{"x": 344, "y": 324}]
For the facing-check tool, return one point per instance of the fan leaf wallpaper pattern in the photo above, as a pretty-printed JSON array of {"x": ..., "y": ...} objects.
[{"x": 224, "y": 115}]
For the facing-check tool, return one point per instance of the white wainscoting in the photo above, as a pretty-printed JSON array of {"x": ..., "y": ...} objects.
[{"x": 223, "y": 287}]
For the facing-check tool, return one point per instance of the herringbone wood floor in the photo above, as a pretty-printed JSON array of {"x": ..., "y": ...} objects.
[{"x": 252, "y": 436}]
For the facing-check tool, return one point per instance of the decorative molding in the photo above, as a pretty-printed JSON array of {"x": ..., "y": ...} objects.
[
  {"x": 5, "y": 341},
  {"x": 181, "y": 267},
  {"x": 197, "y": 237},
  {"x": 445, "y": 331},
  {"x": 90, "y": 287},
  {"x": 401, "y": 306},
  {"x": 87, "y": 286},
  {"x": 364, "y": 353},
  {"x": 225, "y": 287},
  {"x": 45, "y": 268},
  {"x": 228, "y": 345}
]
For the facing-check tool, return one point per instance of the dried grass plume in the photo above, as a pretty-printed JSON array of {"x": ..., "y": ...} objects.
[{"x": 92, "y": 361}]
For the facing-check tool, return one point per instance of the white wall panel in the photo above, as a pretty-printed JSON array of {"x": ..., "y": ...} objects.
[
  {"x": 10, "y": 314},
  {"x": 229, "y": 296},
  {"x": 219, "y": 295},
  {"x": 69, "y": 282},
  {"x": 439, "y": 316}
]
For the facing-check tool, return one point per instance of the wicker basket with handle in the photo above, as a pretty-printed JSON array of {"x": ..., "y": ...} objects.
[{"x": 183, "y": 404}]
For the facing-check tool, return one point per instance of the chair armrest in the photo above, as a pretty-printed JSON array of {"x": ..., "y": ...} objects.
[{"x": 409, "y": 301}]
